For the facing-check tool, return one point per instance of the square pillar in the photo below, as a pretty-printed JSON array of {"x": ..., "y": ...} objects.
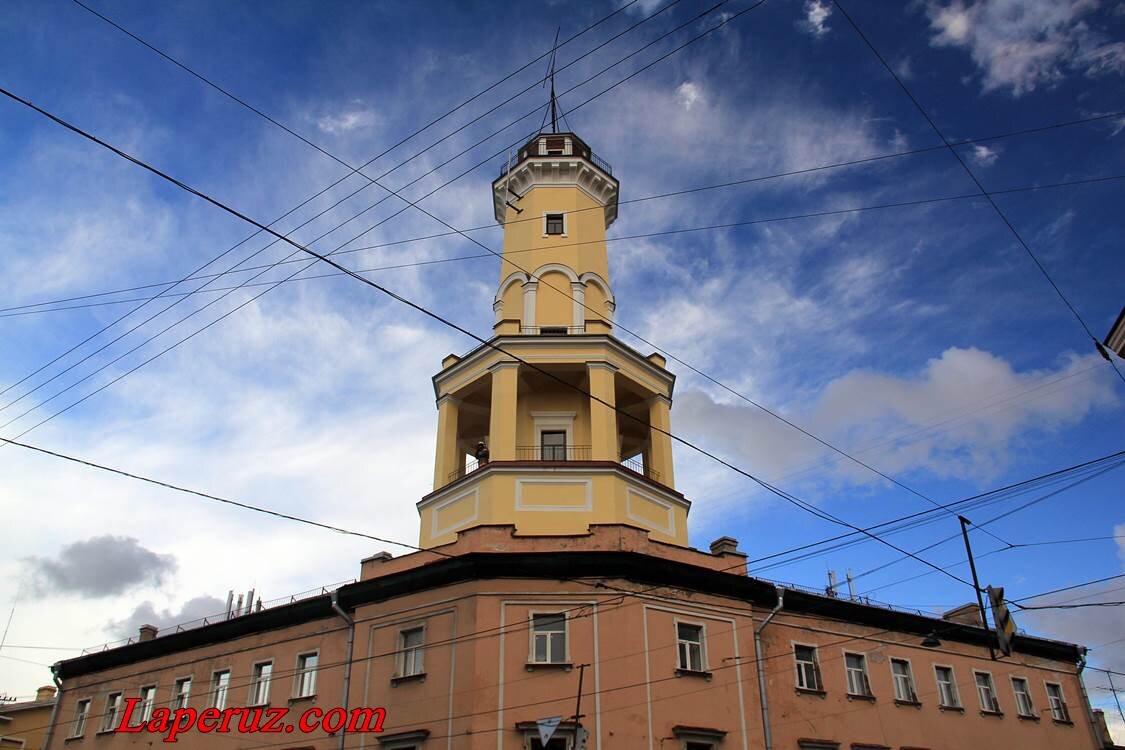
[
  {"x": 448, "y": 452},
  {"x": 659, "y": 455},
  {"x": 502, "y": 416},
  {"x": 603, "y": 418}
]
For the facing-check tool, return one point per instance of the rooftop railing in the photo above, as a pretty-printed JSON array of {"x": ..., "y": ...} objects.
[{"x": 597, "y": 161}]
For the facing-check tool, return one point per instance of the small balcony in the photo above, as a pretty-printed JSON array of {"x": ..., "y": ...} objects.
[
  {"x": 554, "y": 454},
  {"x": 552, "y": 330}
]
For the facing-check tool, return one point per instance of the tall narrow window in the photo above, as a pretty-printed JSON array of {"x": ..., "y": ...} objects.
[
  {"x": 1059, "y": 711},
  {"x": 304, "y": 685},
  {"x": 548, "y": 639},
  {"x": 855, "y": 666},
  {"x": 986, "y": 691},
  {"x": 181, "y": 692},
  {"x": 904, "y": 681},
  {"x": 81, "y": 713},
  {"x": 111, "y": 719},
  {"x": 947, "y": 687},
  {"x": 148, "y": 702},
  {"x": 220, "y": 684},
  {"x": 554, "y": 224},
  {"x": 260, "y": 683},
  {"x": 808, "y": 671},
  {"x": 553, "y": 445},
  {"x": 689, "y": 639},
  {"x": 410, "y": 644},
  {"x": 1023, "y": 697}
]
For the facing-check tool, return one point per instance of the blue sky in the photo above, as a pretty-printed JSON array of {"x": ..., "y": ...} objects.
[{"x": 921, "y": 338}]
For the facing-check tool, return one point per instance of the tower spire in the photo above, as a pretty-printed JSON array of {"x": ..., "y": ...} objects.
[{"x": 551, "y": 77}]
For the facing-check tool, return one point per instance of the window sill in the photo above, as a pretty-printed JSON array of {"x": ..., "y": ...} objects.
[
  {"x": 100, "y": 732},
  {"x": 810, "y": 691},
  {"x": 861, "y": 697},
  {"x": 680, "y": 672},
  {"x": 258, "y": 705},
  {"x": 998, "y": 714},
  {"x": 1064, "y": 722},
  {"x": 396, "y": 681},
  {"x": 1026, "y": 717},
  {"x": 300, "y": 698},
  {"x": 72, "y": 738},
  {"x": 531, "y": 666},
  {"x": 955, "y": 709},
  {"x": 915, "y": 704}
]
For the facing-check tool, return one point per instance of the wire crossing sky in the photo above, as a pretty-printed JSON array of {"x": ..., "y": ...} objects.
[{"x": 918, "y": 338}]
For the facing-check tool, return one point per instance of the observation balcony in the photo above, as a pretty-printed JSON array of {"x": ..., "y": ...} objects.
[{"x": 547, "y": 456}]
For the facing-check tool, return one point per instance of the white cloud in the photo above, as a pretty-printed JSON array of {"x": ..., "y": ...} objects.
[
  {"x": 984, "y": 156},
  {"x": 1021, "y": 45},
  {"x": 346, "y": 121},
  {"x": 689, "y": 93},
  {"x": 815, "y": 21}
]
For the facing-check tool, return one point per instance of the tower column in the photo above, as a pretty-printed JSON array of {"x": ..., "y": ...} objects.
[
  {"x": 502, "y": 416},
  {"x": 446, "y": 460},
  {"x": 603, "y": 418},
  {"x": 529, "y": 323},
  {"x": 660, "y": 443},
  {"x": 578, "y": 293}
]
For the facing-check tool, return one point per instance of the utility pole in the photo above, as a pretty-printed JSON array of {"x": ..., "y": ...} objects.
[
  {"x": 965, "y": 523},
  {"x": 1113, "y": 690},
  {"x": 579, "y": 742}
]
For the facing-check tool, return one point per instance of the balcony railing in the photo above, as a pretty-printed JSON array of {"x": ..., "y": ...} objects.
[
  {"x": 598, "y": 162},
  {"x": 552, "y": 330},
  {"x": 635, "y": 464},
  {"x": 552, "y": 453}
]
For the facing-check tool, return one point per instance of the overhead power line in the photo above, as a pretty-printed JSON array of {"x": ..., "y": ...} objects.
[
  {"x": 788, "y": 497},
  {"x": 995, "y": 206}
]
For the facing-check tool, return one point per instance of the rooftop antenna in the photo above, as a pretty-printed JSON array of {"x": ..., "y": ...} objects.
[{"x": 551, "y": 77}]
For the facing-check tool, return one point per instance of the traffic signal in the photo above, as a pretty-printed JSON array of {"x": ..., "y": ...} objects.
[{"x": 1005, "y": 625}]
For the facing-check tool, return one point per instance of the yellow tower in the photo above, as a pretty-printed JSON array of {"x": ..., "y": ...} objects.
[{"x": 519, "y": 440}]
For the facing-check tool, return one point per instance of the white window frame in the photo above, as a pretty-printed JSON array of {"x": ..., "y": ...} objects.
[
  {"x": 301, "y": 672},
  {"x": 864, "y": 673},
  {"x": 952, "y": 686},
  {"x": 995, "y": 707},
  {"x": 400, "y": 654},
  {"x": 912, "y": 697},
  {"x": 819, "y": 687},
  {"x": 531, "y": 615},
  {"x": 146, "y": 707},
  {"x": 176, "y": 695},
  {"x": 566, "y": 223},
  {"x": 213, "y": 690},
  {"x": 703, "y": 667},
  {"x": 1062, "y": 702},
  {"x": 81, "y": 717},
  {"x": 255, "y": 698},
  {"x": 1030, "y": 713},
  {"x": 111, "y": 720}
]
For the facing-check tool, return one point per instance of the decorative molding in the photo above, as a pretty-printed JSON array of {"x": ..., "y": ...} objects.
[
  {"x": 669, "y": 528},
  {"x": 587, "y": 484},
  {"x": 435, "y": 532},
  {"x": 503, "y": 364}
]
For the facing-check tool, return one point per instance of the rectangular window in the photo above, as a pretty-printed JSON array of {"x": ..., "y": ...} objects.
[
  {"x": 81, "y": 713},
  {"x": 181, "y": 692},
  {"x": 808, "y": 672},
  {"x": 304, "y": 684},
  {"x": 1023, "y": 697},
  {"x": 986, "y": 691},
  {"x": 689, "y": 639},
  {"x": 410, "y": 643},
  {"x": 112, "y": 716},
  {"x": 260, "y": 683},
  {"x": 555, "y": 224},
  {"x": 548, "y": 639},
  {"x": 904, "y": 681},
  {"x": 148, "y": 702},
  {"x": 220, "y": 683},
  {"x": 947, "y": 687},
  {"x": 1058, "y": 704},
  {"x": 553, "y": 445},
  {"x": 855, "y": 667}
]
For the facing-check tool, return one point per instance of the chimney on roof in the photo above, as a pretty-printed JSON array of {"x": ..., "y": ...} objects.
[
  {"x": 726, "y": 545},
  {"x": 147, "y": 632},
  {"x": 45, "y": 693},
  {"x": 966, "y": 614}
]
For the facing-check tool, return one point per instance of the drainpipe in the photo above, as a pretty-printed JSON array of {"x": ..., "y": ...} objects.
[
  {"x": 55, "y": 709},
  {"x": 762, "y": 669},
  {"x": 348, "y": 666},
  {"x": 1086, "y": 699}
]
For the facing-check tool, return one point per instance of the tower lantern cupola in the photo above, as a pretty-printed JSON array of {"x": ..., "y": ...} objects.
[{"x": 558, "y": 425}]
